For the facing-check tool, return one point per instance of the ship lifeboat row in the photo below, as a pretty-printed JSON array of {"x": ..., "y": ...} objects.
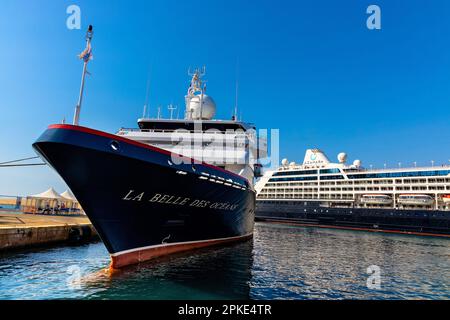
[
  {"x": 446, "y": 198},
  {"x": 376, "y": 199},
  {"x": 405, "y": 199},
  {"x": 416, "y": 199}
]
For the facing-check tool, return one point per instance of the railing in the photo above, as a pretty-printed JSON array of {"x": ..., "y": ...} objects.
[
  {"x": 180, "y": 130},
  {"x": 361, "y": 170}
]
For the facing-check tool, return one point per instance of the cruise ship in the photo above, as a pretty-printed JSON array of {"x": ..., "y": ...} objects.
[
  {"x": 167, "y": 186},
  {"x": 338, "y": 195}
]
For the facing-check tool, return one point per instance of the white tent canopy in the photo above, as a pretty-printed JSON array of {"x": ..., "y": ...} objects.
[
  {"x": 51, "y": 202},
  {"x": 49, "y": 194},
  {"x": 68, "y": 195}
]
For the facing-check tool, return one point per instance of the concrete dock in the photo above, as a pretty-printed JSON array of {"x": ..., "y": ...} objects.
[{"x": 24, "y": 230}]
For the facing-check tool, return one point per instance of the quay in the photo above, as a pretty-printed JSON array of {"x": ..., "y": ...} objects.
[{"x": 19, "y": 231}]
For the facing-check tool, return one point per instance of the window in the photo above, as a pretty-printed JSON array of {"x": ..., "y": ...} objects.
[
  {"x": 400, "y": 174},
  {"x": 294, "y": 179},
  {"x": 326, "y": 171},
  {"x": 295, "y": 173}
]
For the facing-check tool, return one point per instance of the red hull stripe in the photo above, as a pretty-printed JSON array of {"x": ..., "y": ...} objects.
[
  {"x": 135, "y": 143},
  {"x": 130, "y": 257},
  {"x": 355, "y": 228}
]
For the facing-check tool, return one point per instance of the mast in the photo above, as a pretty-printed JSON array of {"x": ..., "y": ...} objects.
[
  {"x": 197, "y": 86},
  {"x": 86, "y": 55}
]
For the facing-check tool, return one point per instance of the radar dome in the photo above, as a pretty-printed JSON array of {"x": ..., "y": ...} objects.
[
  {"x": 207, "y": 112},
  {"x": 284, "y": 162},
  {"x": 342, "y": 157},
  {"x": 357, "y": 163},
  {"x": 292, "y": 164}
]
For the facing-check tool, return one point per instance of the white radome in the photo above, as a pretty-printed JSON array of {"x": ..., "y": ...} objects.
[
  {"x": 284, "y": 162},
  {"x": 357, "y": 163},
  {"x": 342, "y": 157},
  {"x": 209, "y": 107},
  {"x": 292, "y": 164}
]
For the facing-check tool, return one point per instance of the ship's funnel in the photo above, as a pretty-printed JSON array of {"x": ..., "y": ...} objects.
[{"x": 315, "y": 157}]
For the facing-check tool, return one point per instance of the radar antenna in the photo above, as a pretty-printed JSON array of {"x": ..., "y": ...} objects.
[
  {"x": 196, "y": 81},
  {"x": 197, "y": 87}
]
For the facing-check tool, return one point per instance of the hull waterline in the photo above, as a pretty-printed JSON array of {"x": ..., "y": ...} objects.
[{"x": 415, "y": 222}]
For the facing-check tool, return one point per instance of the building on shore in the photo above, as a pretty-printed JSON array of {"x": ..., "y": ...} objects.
[
  {"x": 10, "y": 203},
  {"x": 51, "y": 202}
]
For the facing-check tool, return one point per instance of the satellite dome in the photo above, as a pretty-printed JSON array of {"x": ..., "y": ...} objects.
[
  {"x": 342, "y": 157},
  {"x": 357, "y": 163},
  {"x": 207, "y": 112},
  {"x": 284, "y": 162},
  {"x": 292, "y": 164}
]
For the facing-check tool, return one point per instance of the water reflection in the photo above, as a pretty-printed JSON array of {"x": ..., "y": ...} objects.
[
  {"x": 281, "y": 262},
  {"x": 215, "y": 273},
  {"x": 308, "y": 263}
]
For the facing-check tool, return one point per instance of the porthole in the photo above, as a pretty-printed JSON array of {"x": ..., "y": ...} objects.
[{"x": 114, "y": 145}]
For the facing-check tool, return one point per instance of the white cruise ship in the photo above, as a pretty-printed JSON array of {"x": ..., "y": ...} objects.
[{"x": 319, "y": 192}]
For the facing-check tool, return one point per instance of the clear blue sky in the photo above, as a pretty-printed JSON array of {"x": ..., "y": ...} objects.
[{"x": 310, "y": 68}]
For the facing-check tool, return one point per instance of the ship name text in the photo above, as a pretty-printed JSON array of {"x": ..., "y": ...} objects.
[{"x": 168, "y": 199}]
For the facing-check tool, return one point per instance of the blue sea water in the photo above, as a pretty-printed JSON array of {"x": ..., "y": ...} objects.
[{"x": 281, "y": 262}]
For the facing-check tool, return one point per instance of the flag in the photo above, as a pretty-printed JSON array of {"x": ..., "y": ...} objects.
[{"x": 86, "y": 55}]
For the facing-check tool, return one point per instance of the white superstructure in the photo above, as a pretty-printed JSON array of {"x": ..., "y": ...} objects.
[
  {"x": 342, "y": 185},
  {"x": 230, "y": 144}
]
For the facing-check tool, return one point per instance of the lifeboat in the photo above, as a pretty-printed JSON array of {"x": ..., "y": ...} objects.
[
  {"x": 416, "y": 199},
  {"x": 446, "y": 198},
  {"x": 376, "y": 199}
]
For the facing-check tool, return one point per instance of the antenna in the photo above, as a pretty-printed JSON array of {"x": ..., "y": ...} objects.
[
  {"x": 237, "y": 91},
  {"x": 171, "y": 108},
  {"x": 159, "y": 112},
  {"x": 147, "y": 93}
]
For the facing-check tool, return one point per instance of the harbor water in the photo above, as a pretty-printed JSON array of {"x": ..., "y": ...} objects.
[{"x": 281, "y": 262}]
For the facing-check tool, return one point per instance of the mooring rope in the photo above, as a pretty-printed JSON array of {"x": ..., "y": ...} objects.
[
  {"x": 12, "y": 163},
  {"x": 19, "y": 160},
  {"x": 23, "y": 165}
]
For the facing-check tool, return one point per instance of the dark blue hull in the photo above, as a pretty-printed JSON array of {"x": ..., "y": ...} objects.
[
  {"x": 419, "y": 222},
  {"x": 141, "y": 204}
]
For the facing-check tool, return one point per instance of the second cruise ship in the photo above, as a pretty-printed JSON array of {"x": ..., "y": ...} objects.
[{"x": 325, "y": 194}]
